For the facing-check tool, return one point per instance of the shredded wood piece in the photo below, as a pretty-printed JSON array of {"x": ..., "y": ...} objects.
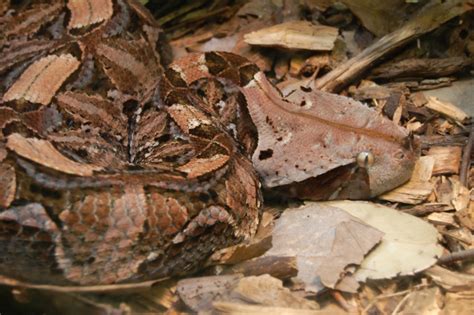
[
  {"x": 85, "y": 13},
  {"x": 448, "y": 109},
  {"x": 40, "y": 81}
]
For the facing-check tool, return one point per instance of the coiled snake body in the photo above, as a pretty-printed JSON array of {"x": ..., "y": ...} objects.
[{"x": 115, "y": 170}]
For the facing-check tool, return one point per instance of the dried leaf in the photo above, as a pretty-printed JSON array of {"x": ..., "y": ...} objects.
[
  {"x": 86, "y": 13},
  {"x": 295, "y": 35},
  {"x": 409, "y": 244},
  {"x": 41, "y": 80},
  {"x": 43, "y": 152},
  {"x": 325, "y": 240}
]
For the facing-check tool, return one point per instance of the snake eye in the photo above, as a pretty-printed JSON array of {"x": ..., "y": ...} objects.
[{"x": 365, "y": 159}]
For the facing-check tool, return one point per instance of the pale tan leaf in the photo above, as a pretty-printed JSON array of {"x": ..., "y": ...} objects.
[
  {"x": 408, "y": 246},
  {"x": 325, "y": 240}
]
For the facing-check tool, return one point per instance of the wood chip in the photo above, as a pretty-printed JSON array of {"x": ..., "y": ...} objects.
[
  {"x": 295, "y": 35},
  {"x": 418, "y": 188},
  {"x": 447, "y": 159},
  {"x": 41, "y": 80},
  {"x": 85, "y": 13},
  {"x": 44, "y": 153},
  {"x": 448, "y": 109}
]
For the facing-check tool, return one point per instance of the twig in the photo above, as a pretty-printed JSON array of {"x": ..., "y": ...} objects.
[
  {"x": 466, "y": 159},
  {"x": 428, "y": 20},
  {"x": 401, "y": 303},
  {"x": 456, "y": 256}
]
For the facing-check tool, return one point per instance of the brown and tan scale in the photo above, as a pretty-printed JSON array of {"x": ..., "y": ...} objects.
[{"x": 117, "y": 169}]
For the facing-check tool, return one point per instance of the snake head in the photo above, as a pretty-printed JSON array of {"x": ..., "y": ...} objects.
[{"x": 317, "y": 145}]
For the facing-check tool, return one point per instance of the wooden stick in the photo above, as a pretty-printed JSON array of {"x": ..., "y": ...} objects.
[
  {"x": 456, "y": 256},
  {"x": 430, "y": 17}
]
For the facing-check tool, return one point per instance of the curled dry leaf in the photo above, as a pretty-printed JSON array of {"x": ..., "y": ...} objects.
[
  {"x": 44, "y": 153},
  {"x": 295, "y": 35},
  {"x": 409, "y": 244},
  {"x": 325, "y": 240},
  {"x": 41, "y": 80},
  {"x": 85, "y": 13}
]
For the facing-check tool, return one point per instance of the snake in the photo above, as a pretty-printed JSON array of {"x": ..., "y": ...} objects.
[{"x": 117, "y": 166}]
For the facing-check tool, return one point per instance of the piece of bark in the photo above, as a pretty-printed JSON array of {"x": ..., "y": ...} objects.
[
  {"x": 425, "y": 21},
  {"x": 447, "y": 159},
  {"x": 418, "y": 188},
  {"x": 447, "y": 109},
  {"x": 239, "y": 308},
  {"x": 295, "y": 35},
  {"x": 421, "y": 68}
]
